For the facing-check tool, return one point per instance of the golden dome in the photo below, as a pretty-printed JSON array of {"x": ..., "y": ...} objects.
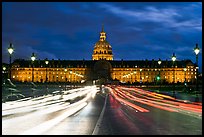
[{"x": 102, "y": 49}]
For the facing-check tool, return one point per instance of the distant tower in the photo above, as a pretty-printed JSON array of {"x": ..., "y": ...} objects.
[{"x": 102, "y": 49}]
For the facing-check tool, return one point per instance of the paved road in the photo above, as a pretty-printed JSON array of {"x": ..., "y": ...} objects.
[
  {"x": 104, "y": 114},
  {"x": 120, "y": 119},
  {"x": 82, "y": 122},
  {"x": 153, "y": 114},
  {"x": 48, "y": 114}
]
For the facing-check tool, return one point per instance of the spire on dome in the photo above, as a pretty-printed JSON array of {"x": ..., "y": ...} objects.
[
  {"x": 103, "y": 34},
  {"x": 102, "y": 28}
]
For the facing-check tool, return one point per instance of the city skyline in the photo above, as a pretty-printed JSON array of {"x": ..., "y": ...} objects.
[{"x": 135, "y": 30}]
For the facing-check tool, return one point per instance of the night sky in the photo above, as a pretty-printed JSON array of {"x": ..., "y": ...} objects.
[{"x": 69, "y": 30}]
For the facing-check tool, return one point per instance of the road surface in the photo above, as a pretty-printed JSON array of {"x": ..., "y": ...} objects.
[{"x": 117, "y": 111}]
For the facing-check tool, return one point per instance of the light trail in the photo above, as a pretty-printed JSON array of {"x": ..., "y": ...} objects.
[
  {"x": 145, "y": 101},
  {"x": 128, "y": 103},
  {"x": 73, "y": 108},
  {"x": 29, "y": 106},
  {"x": 41, "y": 107},
  {"x": 15, "y": 104},
  {"x": 49, "y": 124},
  {"x": 51, "y": 109},
  {"x": 40, "y": 101},
  {"x": 160, "y": 101}
]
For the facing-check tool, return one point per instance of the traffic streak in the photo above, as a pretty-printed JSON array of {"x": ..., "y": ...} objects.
[
  {"x": 113, "y": 110},
  {"x": 164, "y": 102},
  {"x": 31, "y": 114}
]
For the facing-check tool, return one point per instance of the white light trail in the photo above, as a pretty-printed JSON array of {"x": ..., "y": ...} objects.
[
  {"x": 49, "y": 124},
  {"x": 38, "y": 108}
]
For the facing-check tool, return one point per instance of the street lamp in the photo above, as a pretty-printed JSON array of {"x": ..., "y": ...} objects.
[
  {"x": 185, "y": 74},
  {"x": 185, "y": 78},
  {"x": 33, "y": 59},
  {"x": 159, "y": 78},
  {"x": 173, "y": 59},
  {"x": 196, "y": 50},
  {"x": 4, "y": 76},
  {"x": 65, "y": 70},
  {"x": 140, "y": 78},
  {"x": 4, "y": 68},
  {"x": 10, "y": 50},
  {"x": 46, "y": 62}
]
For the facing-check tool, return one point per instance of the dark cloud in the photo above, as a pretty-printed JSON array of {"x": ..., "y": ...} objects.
[{"x": 69, "y": 30}]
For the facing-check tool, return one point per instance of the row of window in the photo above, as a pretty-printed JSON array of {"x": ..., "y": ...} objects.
[
  {"x": 44, "y": 72},
  {"x": 155, "y": 73},
  {"x": 103, "y": 52},
  {"x": 49, "y": 66},
  {"x": 106, "y": 46},
  {"x": 49, "y": 77},
  {"x": 166, "y": 77},
  {"x": 156, "y": 69}
]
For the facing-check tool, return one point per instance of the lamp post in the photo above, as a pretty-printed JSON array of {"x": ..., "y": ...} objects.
[
  {"x": 10, "y": 50},
  {"x": 185, "y": 74},
  {"x": 140, "y": 78},
  {"x": 173, "y": 59},
  {"x": 159, "y": 78},
  {"x": 4, "y": 76},
  {"x": 135, "y": 78},
  {"x": 65, "y": 70},
  {"x": 185, "y": 77},
  {"x": 33, "y": 59},
  {"x": 46, "y": 62},
  {"x": 196, "y": 50}
]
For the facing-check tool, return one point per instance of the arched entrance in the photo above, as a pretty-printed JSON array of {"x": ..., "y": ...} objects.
[{"x": 102, "y": 71}]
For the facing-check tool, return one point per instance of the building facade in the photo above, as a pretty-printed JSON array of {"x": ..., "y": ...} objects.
[{"x": 103, "y": 66}]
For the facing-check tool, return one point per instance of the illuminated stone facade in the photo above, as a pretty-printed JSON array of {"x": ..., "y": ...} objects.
[
  {"x": 102, "y": 66},
  {"x": 55, "y": 71},
  {"x": 147, "y": 71}
]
